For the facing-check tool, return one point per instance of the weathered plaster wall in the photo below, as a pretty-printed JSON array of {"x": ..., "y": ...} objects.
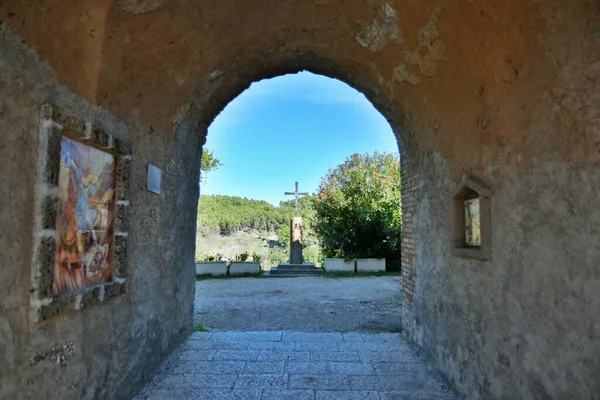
[
  {"x": 506, "y": 91},
  {"x": 524, "y": 324},
  {"x": 104, "y": 351}
]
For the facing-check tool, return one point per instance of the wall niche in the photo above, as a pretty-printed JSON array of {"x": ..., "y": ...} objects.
[
  {"x": 80, "y": 224},
  {"x": 471, "y": 220}
]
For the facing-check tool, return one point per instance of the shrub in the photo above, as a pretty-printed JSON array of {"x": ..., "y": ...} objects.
[
  {"x": 244, "y": 256},
  {"x": 358, "y": 208}
]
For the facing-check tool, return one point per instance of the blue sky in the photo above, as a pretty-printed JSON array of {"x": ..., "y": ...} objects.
[{"x": 287, "y": 129}]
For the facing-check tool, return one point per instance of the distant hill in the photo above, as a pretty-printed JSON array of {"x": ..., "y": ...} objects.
[{"x": 230, "y": 225}]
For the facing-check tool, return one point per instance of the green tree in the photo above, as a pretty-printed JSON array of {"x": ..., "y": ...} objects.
[
  {"x": 358, "y": 208},
  {"x": 208, "y": 163}
]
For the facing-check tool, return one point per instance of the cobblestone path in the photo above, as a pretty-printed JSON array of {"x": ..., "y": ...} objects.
[{"x": 295, "y": 365}]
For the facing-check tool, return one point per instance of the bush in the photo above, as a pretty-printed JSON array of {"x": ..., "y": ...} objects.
[{"x": 358, "y": 208}]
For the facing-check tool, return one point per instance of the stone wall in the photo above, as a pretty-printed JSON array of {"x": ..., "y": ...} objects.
[
  {"x": 107, "y": 350},
  {"x": 506, "y": 92}
]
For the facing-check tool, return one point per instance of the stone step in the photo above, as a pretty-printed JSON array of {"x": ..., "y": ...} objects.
[
  {"x": 297, "y": 271},
  {"x": 304, "y": 267}
]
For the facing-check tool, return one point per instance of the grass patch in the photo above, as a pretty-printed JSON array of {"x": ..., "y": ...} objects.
[
  {"x": 261, "y": 274},
  {"x": 200, "y": 328},
  {"x": 343, "y": 274}
]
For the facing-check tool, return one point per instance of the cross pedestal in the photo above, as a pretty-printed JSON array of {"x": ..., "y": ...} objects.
[
  {"x": 296, "y": 266},
  {"x": 296, "y": 240}
]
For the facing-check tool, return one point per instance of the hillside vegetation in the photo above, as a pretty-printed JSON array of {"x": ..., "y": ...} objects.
[{"x": 231, "y": 225}]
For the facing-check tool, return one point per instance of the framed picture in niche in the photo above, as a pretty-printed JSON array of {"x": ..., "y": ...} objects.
[
  {"x": 471, "y": 220},
  {"x": 472, "y": 223},
  {"x": 85, "y": 217},
  {"x": 80, "y": 223}
]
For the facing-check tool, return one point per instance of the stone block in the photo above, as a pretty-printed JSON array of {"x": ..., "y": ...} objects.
[
  {"x": 287, "y": 395},
  {"x": 275, "y": 355},
  {"x": 318, "y": 381},
  {"x": 310, "y": 346},
  {"x": 211, "y": 268},
  {"x": 271, "y": 346},
  {"x": 315, "y": 337},
  {"x": 265, "y": 367},
  {"x": 235, "y": 355},
  {"x": 258, "y": 336},
  {"x": 319, "y": 368},
  {"x": 350, "y": 356},
  {"x": 244, "y": 267},
  {"x": 370, "y": 265},
  {"x": 349, "y": 395},
  {"x": 339, "y": 265},
  {"x": 262, "y": 381}
]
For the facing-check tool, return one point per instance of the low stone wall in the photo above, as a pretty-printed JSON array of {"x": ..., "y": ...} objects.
[
  {"x": 339, "y": 265},
  {"x": 244, "y": 267},
  {"x": 211, "y": 268},
  {"x": 370, "y": 265}
]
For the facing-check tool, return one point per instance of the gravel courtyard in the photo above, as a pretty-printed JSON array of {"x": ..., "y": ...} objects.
[
  {"x": 309, "y": 304},
  {"x": 312, "y": 338}
]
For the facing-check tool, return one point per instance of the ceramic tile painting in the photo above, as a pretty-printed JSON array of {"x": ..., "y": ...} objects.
[
  {"x": 85, "y": 217},
  {"x": 472, "y": 223}
]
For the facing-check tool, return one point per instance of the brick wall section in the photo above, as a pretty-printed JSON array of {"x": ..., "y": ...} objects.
[{"x": 409, "y": 187}]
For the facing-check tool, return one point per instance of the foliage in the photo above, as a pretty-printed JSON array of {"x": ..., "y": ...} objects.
[
  {"x": 210, "y": 257},
  {"x": 200, "y": 328},
  {"x": 267, "y": 226},
  {"x": 229, "y": 214},
  {"x": 358, "y": 208},
  {"x": 256, "y": 257},
  {"x": 208, "y": 163},
  {"x": 243, "y": 257}
]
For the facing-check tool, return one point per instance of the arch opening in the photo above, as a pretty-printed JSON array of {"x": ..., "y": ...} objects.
[{"x": 208, "y": 132}]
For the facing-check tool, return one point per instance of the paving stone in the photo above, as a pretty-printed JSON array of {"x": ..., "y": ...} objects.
[
  {"x": 252, "y": 365},
  {"x": 348, "y": 368},
  {"x": 346, "y": 395},
  {"x": 222, "y": 336},
  {"x": 200, "y": 336},
  {"x": 197, "y": 355},
  {"x": 313, "y": 337},
  {"x": 414, "y": 396},
  {"x": 197, "y": 345},
  {"x": 383, "y": 338},
  {"x": 388, "y": 356},
  {"x": 258, "y": 336},
  {"x": 334, "y": 356},
  {"x": 204, "y": 394},
  {"x": 392, "y": 368},
  {"x": 369, "y": 347},
  {"x": 211, "y": 367},
  {"x": 288, "y": 395},
  {"x": 199, "y": 380},
  {"x": 319, "y": 382},
  {"x": 228, "y": 345},
  {"x": 264, "y": 381},
  {"x": 276, "y": 355},
  {"x": 265, "y": 367},
  {"x": 235, "y": 355},
  {"x": 271, "y": 346},
  {"x": 402, "y": 382},
  {"x": 352, "y": 337},
  {"x": 310, "y": 346}
]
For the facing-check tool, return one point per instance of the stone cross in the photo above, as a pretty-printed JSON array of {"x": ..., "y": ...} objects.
[{"x": 297, "y": 194}]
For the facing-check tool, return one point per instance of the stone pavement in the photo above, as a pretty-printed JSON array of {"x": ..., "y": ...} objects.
[{"x": 295, "y": 365}]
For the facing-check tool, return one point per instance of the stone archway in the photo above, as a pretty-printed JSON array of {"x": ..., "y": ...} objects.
[{"x": 503, "y": 92}]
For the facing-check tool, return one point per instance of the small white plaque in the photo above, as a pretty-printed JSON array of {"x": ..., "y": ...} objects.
[{"x": 154, "y": 178}]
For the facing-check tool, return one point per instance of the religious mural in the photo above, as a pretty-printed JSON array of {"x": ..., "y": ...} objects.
[
  {"x": 85, "y": 217},
  {"x": 472, "y": 223}
]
